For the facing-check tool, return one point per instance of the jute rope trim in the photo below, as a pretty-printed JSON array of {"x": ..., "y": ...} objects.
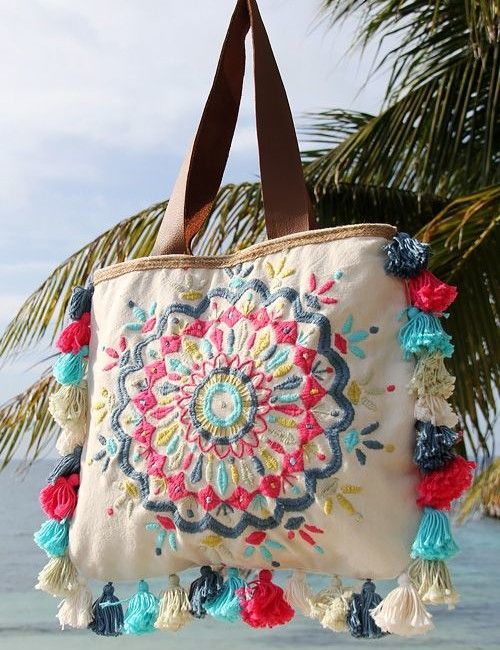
[{"x": 253, "y": 252}]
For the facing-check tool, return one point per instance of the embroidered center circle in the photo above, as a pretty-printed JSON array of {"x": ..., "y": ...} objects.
[{"x": 223, "y": 406}]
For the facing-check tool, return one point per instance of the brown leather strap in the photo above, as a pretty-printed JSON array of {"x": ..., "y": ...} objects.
[{"x": 286, "y": 201}]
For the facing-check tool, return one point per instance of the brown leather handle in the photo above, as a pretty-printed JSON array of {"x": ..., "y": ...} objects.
[{"x": 286, "y": 202}]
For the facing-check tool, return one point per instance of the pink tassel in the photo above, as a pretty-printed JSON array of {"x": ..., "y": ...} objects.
[
  {"x": 263, "y": 603},
  {"x": 58, "y": 499},
  {"x": 430, "y": 294},
  {"x": 75, "y": 336}
]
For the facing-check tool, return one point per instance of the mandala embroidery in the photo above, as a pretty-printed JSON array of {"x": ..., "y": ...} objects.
[{"x": 228, "y": 408}]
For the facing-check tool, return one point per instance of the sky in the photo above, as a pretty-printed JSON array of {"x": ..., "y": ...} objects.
[{"x": 99, "y": 101}]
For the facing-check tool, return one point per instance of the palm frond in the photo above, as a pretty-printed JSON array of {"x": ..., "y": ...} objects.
[
  {"x": 465, "y": 244},
  {"x": 43, "y": 312},
  {"x": 484, "y": 494},
  {"x": 25, "y": 422}
]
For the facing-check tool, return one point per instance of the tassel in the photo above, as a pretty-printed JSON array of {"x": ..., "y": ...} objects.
[
  {"x": 297, "y": 593},
  {"x": 75, "y": 610},
  {"x": 402, "y": 611},
  {"x": 68, "y": 407},
  {"x": 430, "y": 294},
  {"x": 203, "y": 589},
  {"x": 331, "y": 606},
  {"x": 435, "y": 410},
  {"x": 434, "y": 540},
  {"x": 424, "y": 333},
  {"x": 434, "y": 446},
  {"x": 359, "y": 618},
  {"x": 226, "y": 604},
  {"x": 67, "y": 441},
  {"x": 433, "y": 581},
  {"x": 80, "y": 301},
  {"x": 263, "y": 603},
  {"x": 53, "y": 537},
  {"x": 58, "y": 577},
  {"x": 107, "y": 613},
  {"x": 69, "y": 368},
  {"x": 406, "y": 257},
  {"x": 439, "y": 488},
  {"x": 142, "y": 611},
  {"x": 58, "y": 499},
  {"x": 75, "y": 335},
  {"x": 173, "y": 611},
  {"x": 432, "y": 378},
  {"x": 69, "y": 464}
]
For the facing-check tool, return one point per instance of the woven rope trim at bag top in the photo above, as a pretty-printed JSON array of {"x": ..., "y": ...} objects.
[{"x": 227, "y": 595}]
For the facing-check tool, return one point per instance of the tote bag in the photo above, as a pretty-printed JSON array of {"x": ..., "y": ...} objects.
[{"x": 254, "y": 411}]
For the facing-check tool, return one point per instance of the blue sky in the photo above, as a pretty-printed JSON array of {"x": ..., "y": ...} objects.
[{"x": 99, "y": 100}]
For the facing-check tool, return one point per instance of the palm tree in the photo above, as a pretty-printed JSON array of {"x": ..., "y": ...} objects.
[{"x": 426, "y": 163}]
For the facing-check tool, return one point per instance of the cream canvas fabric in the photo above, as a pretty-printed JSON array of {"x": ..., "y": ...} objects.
[{"x": 251, "y": 411}]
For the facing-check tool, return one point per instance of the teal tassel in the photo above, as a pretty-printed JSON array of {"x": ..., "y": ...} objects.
[
  {"x": 434, "y": 540},
  {"x": 69, "y": 368},
  {"x": 423, "y": 333},
  {"x": 142, "y": 611},
  {"x": 53, "y": 537},
  {"x": 226, "y": 606}
]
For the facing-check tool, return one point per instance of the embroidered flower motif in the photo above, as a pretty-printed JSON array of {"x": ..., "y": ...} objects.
[
  {"x": 305, "y": 531},
  {"x": 166, "y": 531},
  {"x": 261, "y": 541},
  {"x": 317, "y": 295},
  {"x": 348, "y": 340},
  {"x": 233, "y": 394},
  {"x": 334, "y": 491},
  {"x": 354, "y": 441},
  {"x": 362, "y": 391}
]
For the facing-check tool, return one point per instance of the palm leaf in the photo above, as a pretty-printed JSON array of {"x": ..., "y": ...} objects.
[
  {"x": 484, "y": 494},
  {"x": 25, "y": 422}
]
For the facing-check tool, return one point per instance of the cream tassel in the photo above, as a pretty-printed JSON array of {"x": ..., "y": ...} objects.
[
  {"x": 297, "y": 593},
  {"x": 436, "y": 410},
  {"x": 331, "y": 606},
  {"x": 432, "y": 378},
  {"x": 67, "y": 441},
  {"x": 58, "y": 577},
  {"x": 68, "y": 406},
  {"x": 76, "y": 609},
  {"x": 402, "y": 611},
  {"x": 174, "y": 607},
  {"x": 433, "y": 581}
]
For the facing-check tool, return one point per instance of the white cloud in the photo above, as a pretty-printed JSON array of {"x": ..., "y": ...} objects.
[{"x": 131, "y": 76}]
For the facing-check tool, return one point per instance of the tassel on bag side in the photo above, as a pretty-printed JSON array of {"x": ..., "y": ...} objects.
[
  {"x": 80, "y": 301},
  {"x": 436, "y": 410},
  {"x": 107, "y": 613},
  {"x": 422, "y": 334},
  {"x": 359, "y": 619},
  {"x": 53, "y": 537},
  {"x": 142, "y": 611},
  {"x": 297, "y": 593},
  {"x": 431, "y": 294},
  {"x": 331, "y": 606},
  {"x": 173, "y": 613},
  {"x": 432, "y": 378},
  {"x": 76, "y": 609},
  {"x": 402, "y": 611},
  {"x": 68, "y": 407},
  {"x": 433, "y": 581},
  {"x": 75, "y": 335},
  {"x": 439, "y": 488},
  {"x": 69, "y": 368},
  {"x": 263, "y": 603},
  {"x": 406, "y": 256},
  {"x": 58, "y": 577},
  {"x": 69, "y": 464},
  {"x": 434, "y": 445},
  {"x": 434, "y": 540}
]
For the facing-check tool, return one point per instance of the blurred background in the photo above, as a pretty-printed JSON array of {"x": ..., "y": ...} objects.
[{"x": 396, "y": 107}]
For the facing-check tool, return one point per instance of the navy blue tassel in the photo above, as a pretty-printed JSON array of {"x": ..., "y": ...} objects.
[
  {"x": 107, "y": 613},
  {"x": 359, "y": 619},
  {"x": 204, "y": 588},
  {"x": 80, "y": 301},
  {"x": 434, "y": 446},
  {"x": 406, "y": 257},
  {"x": 69, "y": 464}
]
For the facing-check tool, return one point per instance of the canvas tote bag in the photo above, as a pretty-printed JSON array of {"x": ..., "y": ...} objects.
[{"x": 254, "y": 411}]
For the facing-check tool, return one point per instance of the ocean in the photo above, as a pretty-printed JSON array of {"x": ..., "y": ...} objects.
[{"x": 27, "y": 617}]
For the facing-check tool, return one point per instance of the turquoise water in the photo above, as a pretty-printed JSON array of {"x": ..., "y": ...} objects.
[{"x": 27, "y": 617}]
